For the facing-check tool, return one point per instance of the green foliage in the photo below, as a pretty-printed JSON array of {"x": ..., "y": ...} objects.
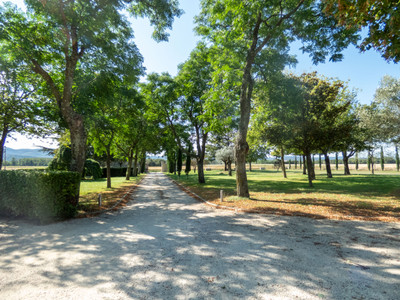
[
  {"x": 43, "y": 196},
  {"x": 92, "y": 168},
  {"x": 188, "y": 159},
  {"x": 179, "y": 161},
  {"x": 28, "y": 161},
  {"x": 62, "y": 159},
  {"x": 381, "y": 18},
  {"x": 115, "y": 172}
]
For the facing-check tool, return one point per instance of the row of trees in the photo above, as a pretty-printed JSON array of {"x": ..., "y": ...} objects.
[{"x": 86, "y": 69}]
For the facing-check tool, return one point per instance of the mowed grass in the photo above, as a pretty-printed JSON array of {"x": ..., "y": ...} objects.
[
  {"x": 361, "y": 196},
  {"x": 90, "y": 190}
]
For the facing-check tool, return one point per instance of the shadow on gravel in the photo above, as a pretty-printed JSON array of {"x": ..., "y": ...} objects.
[{"x": 168, "y": 249}]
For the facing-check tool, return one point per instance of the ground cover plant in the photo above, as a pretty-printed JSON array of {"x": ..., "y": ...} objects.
[
  {"x": 358, "y": 197},
  {"x": 90, "y": 190}
]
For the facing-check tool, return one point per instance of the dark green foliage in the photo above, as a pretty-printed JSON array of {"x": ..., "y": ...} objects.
[
  {"x": 45, "y": 196},
  {"x": 179, "y": 161},
  {"x": 28, "y": 161},
  {"x": 115, "y": 172},
  {"x": 188, "y": 160},
  {"x": 92, "y": 168},
  {"x": 62, "y": 159},
  {"x": 143, "y": 166}
]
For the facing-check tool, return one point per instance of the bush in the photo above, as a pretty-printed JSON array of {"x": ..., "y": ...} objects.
[
  {"x": 62, "y": 159},
  {"x": 115, "y": 172},
  {"x": 44, "y": 196},
  {"x": 92, "y": 168}
]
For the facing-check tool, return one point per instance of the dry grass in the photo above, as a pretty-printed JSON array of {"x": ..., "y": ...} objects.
[{"x": 357, "y": 197}]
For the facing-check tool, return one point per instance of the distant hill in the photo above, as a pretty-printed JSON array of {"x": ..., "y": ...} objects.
[{"x": 25, "y": 153}]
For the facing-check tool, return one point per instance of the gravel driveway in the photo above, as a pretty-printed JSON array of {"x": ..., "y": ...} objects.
[{"x": 166, "y": 245}]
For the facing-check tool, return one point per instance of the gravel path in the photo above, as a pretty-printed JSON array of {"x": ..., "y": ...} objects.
[{"x": 166, "y": 245}]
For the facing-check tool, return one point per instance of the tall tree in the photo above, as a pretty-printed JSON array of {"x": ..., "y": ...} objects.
[
  {"x": 194, "y": 82},
  {"x": 55, "y": 36},
  {"x": 245, "y": 29}
]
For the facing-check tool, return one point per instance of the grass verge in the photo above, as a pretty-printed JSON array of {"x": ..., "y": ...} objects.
[
  {"x": 357, "y": 197},
  {"x": 90, "y": 190}
]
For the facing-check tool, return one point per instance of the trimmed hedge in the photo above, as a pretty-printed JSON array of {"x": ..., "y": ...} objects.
[
  {"x": 115, "y": 172},
  {"x": 44, "y": 196},
  {"x": 92, "y": 168}
]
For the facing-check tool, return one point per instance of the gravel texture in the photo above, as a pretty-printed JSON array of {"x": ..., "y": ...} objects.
[{"x": 166, "y": 245}]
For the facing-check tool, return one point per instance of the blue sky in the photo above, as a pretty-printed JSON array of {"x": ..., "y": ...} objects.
[{"x": 362, "y": 70}]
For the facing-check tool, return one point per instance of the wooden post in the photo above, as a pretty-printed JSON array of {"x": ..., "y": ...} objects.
[{"x": 221, "y": 196}]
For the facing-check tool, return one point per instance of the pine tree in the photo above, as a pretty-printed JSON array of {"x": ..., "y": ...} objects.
[
  {"x": 179, "y": 162},
  {"x": 188, "y": 160}
]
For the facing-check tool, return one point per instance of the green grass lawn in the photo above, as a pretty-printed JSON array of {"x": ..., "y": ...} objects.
[
  {"x": 361, "y": 194},
  {"x": 90, "y": 189},
  {"x": 100, "y": 185}
]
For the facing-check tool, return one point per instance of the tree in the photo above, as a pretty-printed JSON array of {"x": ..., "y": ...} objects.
[
  {"x": 188, "y": 159},
  {"x": 381, "y": 18},
  {"x": 226, "y": 155},
  {"x": 245, "y": 29},
  {"x": 19, "y": 106},
  {"x": 194, "y": 81},
  {"x": 179, "y": 162},
  {"x": 55, "y": 37}
]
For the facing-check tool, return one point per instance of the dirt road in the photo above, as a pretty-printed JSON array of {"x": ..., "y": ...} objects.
[{"x": 166, "y": 245}]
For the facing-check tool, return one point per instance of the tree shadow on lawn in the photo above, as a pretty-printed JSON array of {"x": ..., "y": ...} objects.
[
  {"x": 170, "y": 249},
  {"x": 357, "y": 185}
]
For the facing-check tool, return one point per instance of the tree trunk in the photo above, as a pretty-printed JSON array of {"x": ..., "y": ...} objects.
[
  {"x": 346, "y": 163},
  {"x": 382, "y": 159},
  {"x": 304, "y": 165},
  {"x": 397, "y": 159},
  {"x": 249, "y": 166},
  {"x": 200, "y": 170},
  {"x": 309, "y": 169},
  {"x": 108, "y": 167},
  {"x": 226, "y": 166},
  {"x": 295, "y": 162},
  {"x": 229, "y": 168},
  {"x": 320, "y": 161},
  {"x": 357, "y": 161},
  {"x": 283, "y": 163},
  {"x": 129, "y": 169},
  {"x": 2, "y": 144},
  {"x": 135, "y": 165},
  {"x": 372, "y": 163},
  {"x": 328, "y": 165},
  {"x": 246, "y": 90}
]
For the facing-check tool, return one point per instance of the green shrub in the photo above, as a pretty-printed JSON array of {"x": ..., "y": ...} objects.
[
  {"x": 62, "y": 159},
  {"x": 44, "y": 196},
  {"x": 115, "y": 172},
  {"x": 92, "y": 168}
]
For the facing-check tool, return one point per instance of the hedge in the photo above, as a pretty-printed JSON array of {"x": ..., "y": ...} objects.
[
  {"x": 115, "y": 172},
  {"x": 44, "y": 196}
]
